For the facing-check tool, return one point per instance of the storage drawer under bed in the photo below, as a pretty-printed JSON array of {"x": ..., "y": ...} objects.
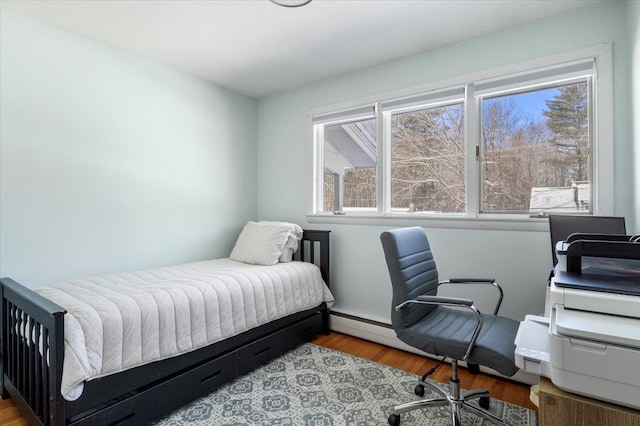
[
  {"x": 139, "y": 408},
  {"x": 204, "y": 379},
  {"x": 267, "y": 348}
]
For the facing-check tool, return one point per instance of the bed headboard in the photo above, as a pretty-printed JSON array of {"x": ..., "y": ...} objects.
[{"x": 314, "y": 248}]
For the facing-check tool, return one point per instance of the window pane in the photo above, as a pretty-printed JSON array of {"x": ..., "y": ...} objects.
[
  {"x": 350, "y": 158},
  {"x": 427, "y": 160},
  {"x": 535, "y": 151}
]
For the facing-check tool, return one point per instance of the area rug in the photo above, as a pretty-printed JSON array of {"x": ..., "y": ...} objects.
[{"x": 313, "y": 385}]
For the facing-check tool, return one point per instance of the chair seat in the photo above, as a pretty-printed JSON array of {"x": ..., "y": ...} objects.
[{"x": 446, "y": 332}]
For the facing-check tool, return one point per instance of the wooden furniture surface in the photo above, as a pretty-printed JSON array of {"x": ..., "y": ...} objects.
[{"x": 560, "y": 408}]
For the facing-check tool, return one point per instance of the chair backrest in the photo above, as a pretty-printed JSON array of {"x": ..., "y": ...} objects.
[
  {"x": 412, "y": 271},
  {"x": 561, "y": 226}
]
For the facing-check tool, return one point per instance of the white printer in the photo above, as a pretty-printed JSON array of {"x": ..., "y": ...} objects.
[{"x": 588, "y": 342}]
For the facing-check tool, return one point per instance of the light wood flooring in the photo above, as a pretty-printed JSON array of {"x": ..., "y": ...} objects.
[{"x": 504, "y": 390}]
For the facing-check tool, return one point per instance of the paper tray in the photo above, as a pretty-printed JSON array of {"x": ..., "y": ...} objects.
[{"x": 532, "y": 345}]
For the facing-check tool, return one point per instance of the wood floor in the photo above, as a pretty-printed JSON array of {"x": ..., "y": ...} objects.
[
  {"x": 9, "y": 415},
  {"x": 504, "y": 390}
]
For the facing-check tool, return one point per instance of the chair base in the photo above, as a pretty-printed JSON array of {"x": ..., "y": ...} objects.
[{"x": 456, "y": 400}]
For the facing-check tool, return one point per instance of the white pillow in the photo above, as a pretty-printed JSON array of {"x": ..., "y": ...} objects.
[
  {"x": 260, "y": 243},
  {"x": 290, "y": 247}
]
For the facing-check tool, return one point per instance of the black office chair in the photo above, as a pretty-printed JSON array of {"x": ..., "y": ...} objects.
[{"x": 451, "y": 327}]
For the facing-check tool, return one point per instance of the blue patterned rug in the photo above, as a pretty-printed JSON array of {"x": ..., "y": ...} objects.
[{"x": 313, "y": 385}]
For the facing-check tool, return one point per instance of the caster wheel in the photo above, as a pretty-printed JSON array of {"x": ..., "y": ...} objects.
[
  {"x": 394, "y": 420},
  {"x": 484, "y": 402},
  {"x": 419, "y": 390}
]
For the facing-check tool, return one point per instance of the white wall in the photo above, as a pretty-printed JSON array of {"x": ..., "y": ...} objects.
[
  {"x": 112, "y": 163},
  {"x": 519, "y": 260}
]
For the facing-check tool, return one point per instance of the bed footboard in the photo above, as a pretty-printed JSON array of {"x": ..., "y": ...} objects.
[{"x": 32, "y": 352}]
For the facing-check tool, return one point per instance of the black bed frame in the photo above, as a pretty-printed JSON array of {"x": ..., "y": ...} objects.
[{"x": 146, "y": 393}]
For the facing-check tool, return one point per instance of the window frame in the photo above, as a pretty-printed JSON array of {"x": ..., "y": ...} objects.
[
  {"x": 541, "y": 85},
  {"x": 601, "y": 132},
  {"x": 387, "y": 125},
  {"x": 318, "y": 135}
]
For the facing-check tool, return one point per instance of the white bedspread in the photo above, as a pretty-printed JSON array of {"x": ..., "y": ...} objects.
[{"x": 120, "y": 321}]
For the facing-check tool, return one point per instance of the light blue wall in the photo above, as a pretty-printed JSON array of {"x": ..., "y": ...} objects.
[
  {"x": 111, "y": 163},
  {"x": 519, "y": 260},
  {"x": 634, "y": 48}
]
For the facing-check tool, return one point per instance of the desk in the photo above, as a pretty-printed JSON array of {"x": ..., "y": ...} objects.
[{"x": 560, "y": 408}]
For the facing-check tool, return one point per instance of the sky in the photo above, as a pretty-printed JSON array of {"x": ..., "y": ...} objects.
[{"x": 534, "y": 102}]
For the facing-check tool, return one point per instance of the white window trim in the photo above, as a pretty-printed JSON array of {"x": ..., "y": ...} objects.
[
  {"x": 472, "y": 139},
  {"x": 603, "y": 133}
]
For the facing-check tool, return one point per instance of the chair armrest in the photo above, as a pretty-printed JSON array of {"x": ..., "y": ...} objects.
[
  {"x": 455, "y": 302},
  {"x": 471, "y": 280},
  {"x": 446, "y": 300},
  {"x": 491, "y": 281}
]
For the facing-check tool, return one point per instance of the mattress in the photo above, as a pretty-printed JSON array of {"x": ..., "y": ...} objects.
[{"x": 120, "y": 321}]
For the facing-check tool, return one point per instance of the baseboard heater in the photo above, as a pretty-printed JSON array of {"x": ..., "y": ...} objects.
[{"x": 360, "y": 319}]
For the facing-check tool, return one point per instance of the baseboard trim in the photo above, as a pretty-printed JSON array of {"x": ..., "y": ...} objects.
[{"x": 382, "y": 333}]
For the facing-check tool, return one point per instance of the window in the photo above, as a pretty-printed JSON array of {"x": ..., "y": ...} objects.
[
  {"x": 535, "y": 150},
  {"x": 516, "y": 143},
  {"x": 350, "y": 162},
  {"x": 427, "y": 160}
]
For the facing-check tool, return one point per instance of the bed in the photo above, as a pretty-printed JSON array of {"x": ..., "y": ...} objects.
[{"x": 32, "y": 368}]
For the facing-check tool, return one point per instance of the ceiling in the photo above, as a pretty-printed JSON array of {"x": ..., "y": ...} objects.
[{"x": 259, "y": 48}]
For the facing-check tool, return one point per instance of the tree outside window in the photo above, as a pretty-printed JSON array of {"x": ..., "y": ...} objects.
[
  {"x": 536, "y": 159},
  {"x": 500, "y": 146}
]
